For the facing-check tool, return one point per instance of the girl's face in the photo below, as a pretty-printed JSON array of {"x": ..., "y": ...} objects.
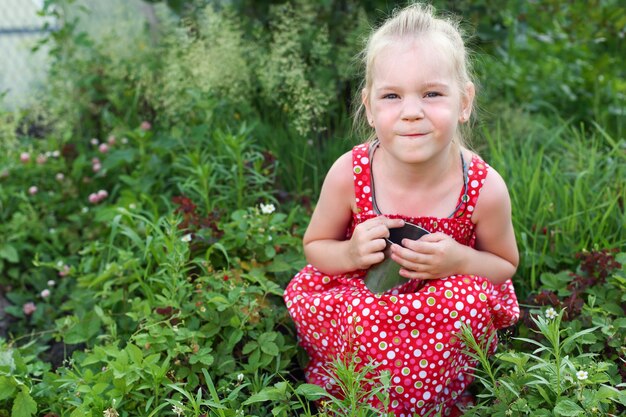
[{"x": 415, "y": 102}]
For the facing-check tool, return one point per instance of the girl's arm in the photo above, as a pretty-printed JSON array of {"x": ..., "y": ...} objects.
[
  {"x": 325, "y": 244},
  {"x": 495, "y": 256}
]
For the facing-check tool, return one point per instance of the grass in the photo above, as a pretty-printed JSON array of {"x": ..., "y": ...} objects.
[{"x": 567, "y": 187}]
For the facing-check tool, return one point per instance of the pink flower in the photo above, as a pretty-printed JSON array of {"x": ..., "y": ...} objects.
[
  {"x": 24, "y": 157},
  {"x": 111, "y": 140},
  {"x": 145, "y": 125},
  {"x": 96, "y": 167},
  {"x": 29, "y": 308},
  {"x": 95, "y": 160},
  {"x": 95, "y": 198},
  {"x": 45, "y": 293},
  {"x": 41, "y": 159},
  {"x": 103, "y": 148},
  {"x": 33, "y": 190},
  {"x": 65, "y": 271}
]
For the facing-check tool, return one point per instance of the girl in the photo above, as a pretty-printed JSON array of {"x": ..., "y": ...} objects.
[{"x": 417, "y": 92}]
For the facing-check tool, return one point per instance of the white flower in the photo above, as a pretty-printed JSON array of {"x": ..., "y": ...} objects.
[
  {"x": 45, "y": 293},
  {"x": 56, "y": 154},
  {"x": 582, "y": 375},
  {"x": 110, "y": 412},
  {"x": 51, "y": 283},
  {"x": 240, "y": 377},
  {"x": 186, "y": 238},
  {"x": 94, "y": 141},
  {"x": 60, "y": 177},
  {"x": 267, "y": 208},
  {"x": 177, "y": 410},
  {"x": 551, "y": 313}
]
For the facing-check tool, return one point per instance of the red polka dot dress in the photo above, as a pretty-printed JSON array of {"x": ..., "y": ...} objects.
[{"x": 410, "y": 329}]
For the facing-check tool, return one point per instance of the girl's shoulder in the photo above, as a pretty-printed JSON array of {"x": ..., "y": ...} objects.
[
  {"x": 494, "y": 194},
  {"x": 346, "y": 163},
  {"x": 339, "y": 177}
]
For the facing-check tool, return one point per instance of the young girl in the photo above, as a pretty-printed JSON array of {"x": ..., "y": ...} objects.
[{"x": 417, "y": 93}]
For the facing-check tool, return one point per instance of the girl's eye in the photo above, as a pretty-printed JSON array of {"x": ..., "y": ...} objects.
[
  {"x": 432, "y": 94},
  {"x": 390, "y": 96}
]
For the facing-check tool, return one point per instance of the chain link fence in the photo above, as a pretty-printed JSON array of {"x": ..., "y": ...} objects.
[{"x": 21, "y": 70}]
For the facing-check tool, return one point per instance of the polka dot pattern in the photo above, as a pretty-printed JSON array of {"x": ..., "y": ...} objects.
[{"x": 409, "y": 330}]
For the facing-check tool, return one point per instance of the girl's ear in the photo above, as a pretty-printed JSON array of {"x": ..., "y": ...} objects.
[{"x": 467, "y": 102}]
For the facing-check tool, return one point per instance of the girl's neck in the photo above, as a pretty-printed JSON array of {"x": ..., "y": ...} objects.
[
  {"x": 425, "y": 173},
  {"x": 430, "y": 188}
]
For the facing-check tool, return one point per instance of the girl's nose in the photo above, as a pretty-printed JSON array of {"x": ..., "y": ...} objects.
[{"x": 412, "y": 109}]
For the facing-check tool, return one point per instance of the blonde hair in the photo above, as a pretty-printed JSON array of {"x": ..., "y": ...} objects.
[{"x": 412, "y": 22}]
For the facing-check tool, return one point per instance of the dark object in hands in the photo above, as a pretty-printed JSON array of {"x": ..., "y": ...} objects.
[{"x": 385, "y": 275}]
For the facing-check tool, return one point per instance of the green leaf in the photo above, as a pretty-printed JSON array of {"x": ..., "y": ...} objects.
[
  {"x": 7, "y": 362},
  {"x": 566, "y": 407},
  {"x": 267, "y": 394},
  {"x": 134, "y": 353},
  {"x": 556, "y": 282},
  {"x": 606, "y": 393},
  {"x": 86, "y": 328},
  {"x": 279, "y": 265},
  {"x": 24, "y": 405},
  {"x": 78, "y": 412},
  {"x": 249, "y": 347},
  {"x": 520, "y": 360},
  {"x": 267, "y": 337},
  {"x": 312, "y": 391},
  {"x": 270, "y": 348},
  {"x": 205, "y": 359},
  {"x": 572, "y": 339},
  {"x": 7, "y": 387},
  {"x": 9, "y": 253},
  {"x": 234, "y": 338},
  {"x": 620, "y": 323}
]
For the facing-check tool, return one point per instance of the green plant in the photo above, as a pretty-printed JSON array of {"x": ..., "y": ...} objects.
[
  {"x": 357, "y": 388},
  {"x": 555, "y": 379}
]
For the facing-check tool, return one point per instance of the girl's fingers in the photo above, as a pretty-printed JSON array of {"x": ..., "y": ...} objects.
[
  {"x": 378, "y": 245},
  {"x": 409, "y": 259},
  {"x": 419, "y": 246},
  {"x": 394, "y": 223},
  {"x": 416, "y": 275}
]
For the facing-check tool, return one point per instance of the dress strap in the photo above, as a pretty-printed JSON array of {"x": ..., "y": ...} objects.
[
  {"x": 476, "y": 175},
  {"x": 361, "y": 174}
]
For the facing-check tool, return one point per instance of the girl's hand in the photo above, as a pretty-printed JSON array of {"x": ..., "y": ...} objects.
[
  {"x": 433, "y": 256},
  {"x": 368, "y": 241}
]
